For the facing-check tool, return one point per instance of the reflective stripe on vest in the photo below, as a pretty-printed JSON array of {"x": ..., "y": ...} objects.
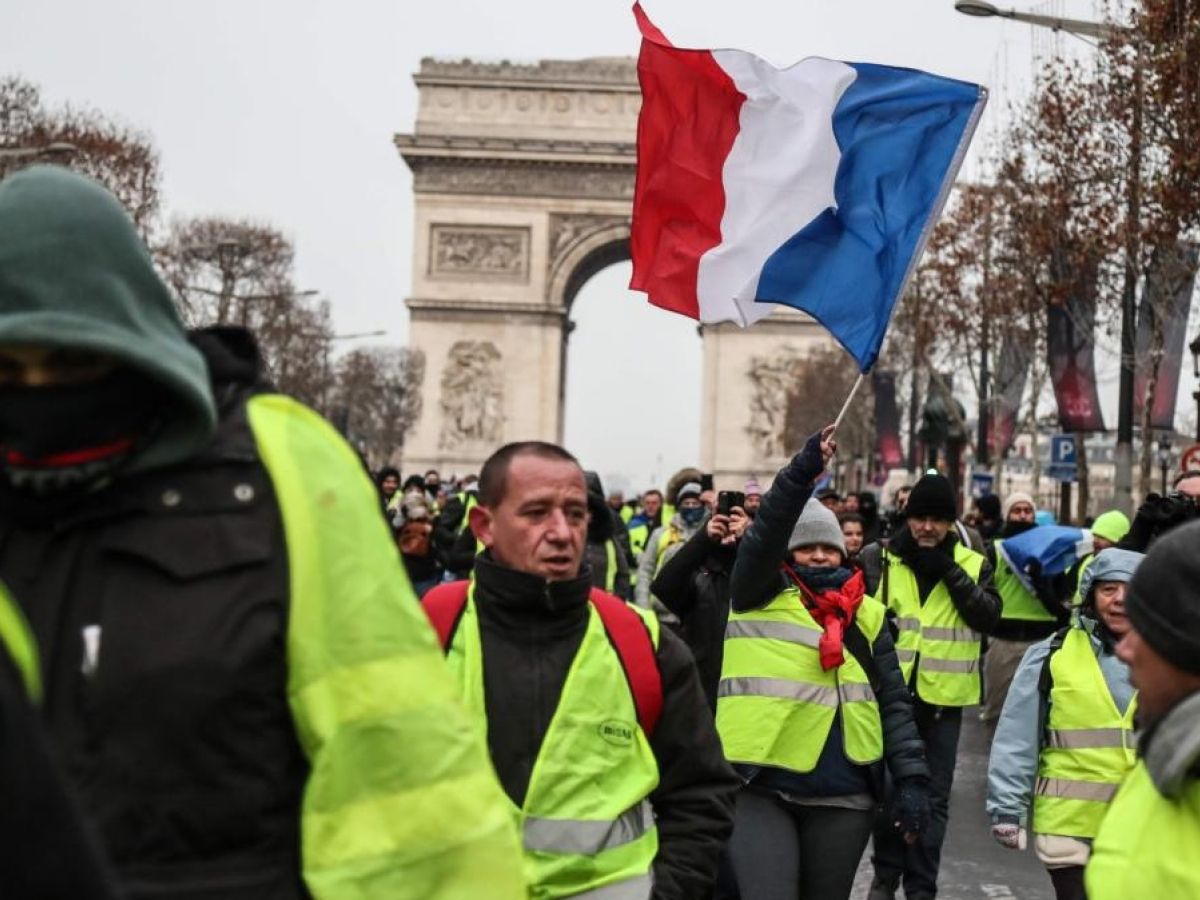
[
  {"x": 586, "y": 836},
  {"x": 586, "y": 821},
  {"x": 1146, "y": 845},
  {"x": 18, "y": 640},
  {"x": 1018, "y": 604},
  {"x": 1089, "y": 745},
  {"x": 610, "y": 564},
  {"x": 1073, "y": 790},
  {"x": 776, "y": 704},
  {"x": 943, "y": 648}
]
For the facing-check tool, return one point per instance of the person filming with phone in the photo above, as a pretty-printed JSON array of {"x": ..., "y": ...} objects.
[{"x": 693, "y": 584}]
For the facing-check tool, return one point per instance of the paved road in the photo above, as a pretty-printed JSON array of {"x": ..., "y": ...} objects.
[{"x": 974, "y": 867}]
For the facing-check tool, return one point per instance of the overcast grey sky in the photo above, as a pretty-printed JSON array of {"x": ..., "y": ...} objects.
[{"x": 284, "y": 110}]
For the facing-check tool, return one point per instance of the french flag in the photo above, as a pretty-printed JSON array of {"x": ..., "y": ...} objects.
[{"x": 814, "y": 186}]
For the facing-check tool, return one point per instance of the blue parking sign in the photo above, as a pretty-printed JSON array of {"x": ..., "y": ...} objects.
[
  {"x": 1063, "y": 461},
  {"x": 1062, "y": 449}
]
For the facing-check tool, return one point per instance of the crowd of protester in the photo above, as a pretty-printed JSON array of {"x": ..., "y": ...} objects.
[{"x": 222, "y": 676}]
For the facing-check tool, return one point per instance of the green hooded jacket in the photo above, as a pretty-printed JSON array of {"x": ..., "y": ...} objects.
[{"x": 75, "y": 274}]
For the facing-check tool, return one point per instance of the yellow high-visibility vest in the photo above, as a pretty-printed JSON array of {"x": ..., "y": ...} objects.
[
  {"x": 1089, "y": 746},
  {"x": 1147, "y": 843},
  {"x": 776, "y": 705},
  {"x": 586, "y": 820},
  {"x": 1018, "y": 603},
  {"x": 933, "y": 636}
]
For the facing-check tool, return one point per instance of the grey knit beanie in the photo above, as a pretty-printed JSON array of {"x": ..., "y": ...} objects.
[{"x": 817, "y": 525}]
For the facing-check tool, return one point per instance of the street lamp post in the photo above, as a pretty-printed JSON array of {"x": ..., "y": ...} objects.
[
  {"x": 981, "y": 9},
  {"x": 1194, "y": 346},
  {"x": 1164, "y": 461},
  {"x": 1102, "y": 30}
]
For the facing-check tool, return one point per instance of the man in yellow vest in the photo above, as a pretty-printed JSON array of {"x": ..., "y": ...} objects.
[
  {"x": 1147, "y": 842},
  {"x": 1024, "y": 617},
  {"x": 246, "y": 695},
  {"x": 608, "y": 798},
  {"x": 1065, "y": 739},
  {"x": 941, "y": 598},
  {"x": 645, "y": 523}
]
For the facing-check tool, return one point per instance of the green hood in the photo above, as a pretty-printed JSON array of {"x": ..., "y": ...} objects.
[{"x": 74, "y": 273}]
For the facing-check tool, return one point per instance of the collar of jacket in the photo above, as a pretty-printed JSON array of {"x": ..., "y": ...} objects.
[
  {"x": 520, "y": 597},
  {"x": 1171, "y": 747}
]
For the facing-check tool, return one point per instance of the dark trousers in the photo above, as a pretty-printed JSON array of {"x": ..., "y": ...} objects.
[
  {"x": 1068, "y": 883},
  {"x": 785, "y": 851},
  {"x": 917, "y": 864}
]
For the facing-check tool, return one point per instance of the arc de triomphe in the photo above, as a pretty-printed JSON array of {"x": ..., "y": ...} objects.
[{"x": 523, "y": 179}]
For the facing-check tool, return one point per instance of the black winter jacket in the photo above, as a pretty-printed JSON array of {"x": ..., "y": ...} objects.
[
  {"x": 46, "y": 851},
  {"x": 757, "y": 579},
  {"x": 453, "y": 540},
  {"x": 603, "y": 527},
  {"x": 977, "y": 602},
  {"x": 694, "y": 584},
  {"x": 531, "y": 630},
  {"x": 205, "y": 692}
]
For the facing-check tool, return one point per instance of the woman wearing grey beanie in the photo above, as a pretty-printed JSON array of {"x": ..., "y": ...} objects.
[{"x": 811, "y": 700}]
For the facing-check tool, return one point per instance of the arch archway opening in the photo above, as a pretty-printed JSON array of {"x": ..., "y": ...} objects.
[{"x": 632, "y": 378}]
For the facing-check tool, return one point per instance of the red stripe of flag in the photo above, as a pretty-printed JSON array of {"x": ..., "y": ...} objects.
[{"x": 687, "y": 126}]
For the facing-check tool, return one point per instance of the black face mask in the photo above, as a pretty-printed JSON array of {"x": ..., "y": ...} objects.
[
  {"x": 39, "y": 423},
  {"x": 1012, "y": 529}
]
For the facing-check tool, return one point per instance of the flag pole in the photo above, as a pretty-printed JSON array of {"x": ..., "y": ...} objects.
[{"x": 849, "y": 400}]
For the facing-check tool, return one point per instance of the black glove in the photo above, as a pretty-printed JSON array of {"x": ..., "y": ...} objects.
[
  {"x": 931, "y": 562},
  {"x": 911, "y": 806},
  {"x": 809, "y": 460}
]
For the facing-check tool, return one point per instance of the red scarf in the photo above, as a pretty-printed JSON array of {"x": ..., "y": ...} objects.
[{"x": 834, "y": 609}]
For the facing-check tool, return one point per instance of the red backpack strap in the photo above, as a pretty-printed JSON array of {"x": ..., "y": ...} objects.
[
  {"x": 631, "y": 639},
  {"x": 444, "y": 605}
]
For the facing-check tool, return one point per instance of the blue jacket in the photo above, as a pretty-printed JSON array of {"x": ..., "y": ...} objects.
[{"x": 1012, "y": 768}]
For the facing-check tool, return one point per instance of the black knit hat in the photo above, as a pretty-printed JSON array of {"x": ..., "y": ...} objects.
[
  {"x": 1163, "y": 605},
  {"x": 934, "y": 497}
]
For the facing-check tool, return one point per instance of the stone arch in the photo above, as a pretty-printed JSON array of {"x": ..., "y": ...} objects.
[
  {"x": 523, "y": 177},
  {"x": 584, "y": 254}
]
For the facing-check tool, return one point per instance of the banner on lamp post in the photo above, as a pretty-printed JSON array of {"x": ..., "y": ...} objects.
[
  {"x": 1167, "y": 298},
  {"x": 887, "y": 421},
  {"x": 1071, "y": 345},
  {"x": 1011, "y": 374}
]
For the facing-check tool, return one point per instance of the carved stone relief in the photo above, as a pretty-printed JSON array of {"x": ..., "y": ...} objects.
[
  {"x": 475, "y": 251},
  {"x": 617, "y": 70},
  {"x": 472, "y": 398},
  {"x": 583, "y": 181},
  {"x": 773, "y": 377},
  {"x": 567, "y": 228}
]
